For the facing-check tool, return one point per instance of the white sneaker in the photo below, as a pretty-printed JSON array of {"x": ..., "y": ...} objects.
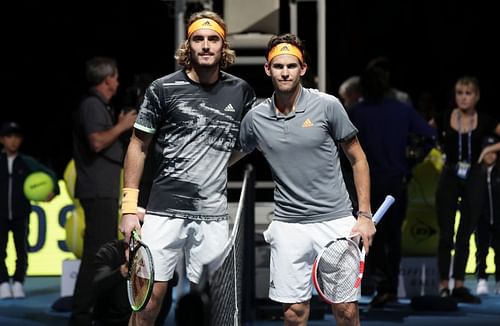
[
  {"x": 17, "y": 290},
  {"x": 5, "y": 290},
  {"x": 482, "y": 287}
]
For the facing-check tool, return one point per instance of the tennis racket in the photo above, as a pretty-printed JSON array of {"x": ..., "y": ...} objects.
[
  {"x": 140, "y": 276},
  {"x": 338, "y": 269}
]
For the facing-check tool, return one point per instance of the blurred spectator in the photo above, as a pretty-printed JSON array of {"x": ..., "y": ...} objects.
[
  {"x": 112, "y": 307},
  {"x": 98, "y": 152},
  {"x": 15, "y": 208},
  {"x": 350, "y": 91},
  {"x": 384, "y": 125},
  {"x": 384, "y": 64},
  {"x": 488, "y": 228},
  {"x": 461, "y": 132}
]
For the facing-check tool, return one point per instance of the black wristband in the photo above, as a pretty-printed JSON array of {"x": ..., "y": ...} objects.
[{"x": 365, "y": 214}]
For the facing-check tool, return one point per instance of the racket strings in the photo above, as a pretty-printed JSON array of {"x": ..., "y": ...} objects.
[
  {"x": 140, "y": 277},
  {"x": 338, "y": 270}
]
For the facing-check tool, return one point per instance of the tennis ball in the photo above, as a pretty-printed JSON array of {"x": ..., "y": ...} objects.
[
  {"x": 38, "y": 186},
  {"x": 70, "y": 178},
  {"x": 75, "y": 226}
]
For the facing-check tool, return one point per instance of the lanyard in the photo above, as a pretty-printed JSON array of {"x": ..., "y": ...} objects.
[{"x": 469, "y": 139}]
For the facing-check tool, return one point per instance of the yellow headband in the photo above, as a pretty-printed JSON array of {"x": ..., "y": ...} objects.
[
  {"x": 285, "y": 48},
  {"x": 205, "y": 23}
]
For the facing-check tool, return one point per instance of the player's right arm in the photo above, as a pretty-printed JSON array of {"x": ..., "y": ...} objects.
[{"x": 134, "y": 166}]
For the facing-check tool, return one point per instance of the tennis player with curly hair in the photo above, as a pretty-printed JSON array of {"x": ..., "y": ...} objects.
[{"x": 192, "y": 117}]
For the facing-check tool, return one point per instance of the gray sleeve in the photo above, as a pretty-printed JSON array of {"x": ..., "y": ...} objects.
[
  {"x": 247, "y": 138},
  {"x": 341, "y": 127},
  {"x": 115, "y": 152},
  {"x": 249, "y": 102},
  {"x": 149, "y": 112},
  {"x": 93, "y": 116}
]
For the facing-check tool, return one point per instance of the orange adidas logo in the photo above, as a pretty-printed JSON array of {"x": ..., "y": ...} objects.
[{"x": 307, "y": 124}]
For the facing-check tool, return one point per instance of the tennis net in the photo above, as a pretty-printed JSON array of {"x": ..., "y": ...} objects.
[{"x": 230, "y": 277}]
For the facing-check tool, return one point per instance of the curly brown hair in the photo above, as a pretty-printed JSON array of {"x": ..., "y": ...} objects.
[{"x": 183, "y": 53}]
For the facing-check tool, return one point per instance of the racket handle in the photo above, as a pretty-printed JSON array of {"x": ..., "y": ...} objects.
[{"x": 388, "y": 201}]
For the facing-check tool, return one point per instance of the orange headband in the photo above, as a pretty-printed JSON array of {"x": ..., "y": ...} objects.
[
  {"x": 205, "y": 23},
  {"x": 285, "y": 48}
]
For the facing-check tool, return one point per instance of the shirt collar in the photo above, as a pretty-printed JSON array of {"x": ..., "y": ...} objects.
[{"x": 299, "y": 105}]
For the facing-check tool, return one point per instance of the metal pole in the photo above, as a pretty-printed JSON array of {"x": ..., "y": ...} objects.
[
  {"x": 321, "y": 11},
  {"x": 293, "y": 17},
  {"x": 180, "y": 7}
]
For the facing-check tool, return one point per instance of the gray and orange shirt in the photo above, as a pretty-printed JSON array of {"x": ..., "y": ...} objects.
[
  {"x": 195, "y": 129},
  {"x": 301, "y": 149}
]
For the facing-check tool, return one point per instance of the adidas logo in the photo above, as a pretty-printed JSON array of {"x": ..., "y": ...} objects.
[
  {"x": 271, "y": 285},
  {"x": 207, "y": 23},
  {"x": 307, "y": 124},
  {"x": 229, "y": 108},
  {"x": 284, "y": 48}
]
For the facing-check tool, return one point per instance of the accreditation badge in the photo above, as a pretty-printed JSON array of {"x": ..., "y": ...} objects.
[{"x": 463, "y": 169}]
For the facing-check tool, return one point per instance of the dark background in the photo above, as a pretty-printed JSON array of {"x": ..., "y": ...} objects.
[{"x": 45, "y": 44}]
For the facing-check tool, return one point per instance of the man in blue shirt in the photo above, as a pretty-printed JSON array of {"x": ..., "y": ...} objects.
[{"x": 385, "y": 125}]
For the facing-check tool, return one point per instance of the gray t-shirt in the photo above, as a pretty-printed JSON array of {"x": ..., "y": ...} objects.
[
  {"x": 196, "y": 129},
  {"x": 97, "y": 174},
  {"x": 302, "y": 152}
]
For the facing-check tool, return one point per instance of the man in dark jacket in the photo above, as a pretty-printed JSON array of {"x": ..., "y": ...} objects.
[
  {"x": 110, "y": 286},
  {"x": 386, "y": 126}
]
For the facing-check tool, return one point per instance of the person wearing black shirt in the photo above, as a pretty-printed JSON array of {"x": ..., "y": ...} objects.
[
  {"x": 98, "y": 152},
  {"x": 112, "y": 307},
  {"x": 462, "y": 130}
]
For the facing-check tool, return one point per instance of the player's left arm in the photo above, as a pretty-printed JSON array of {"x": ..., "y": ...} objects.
[{"x": 361, "y": 172}]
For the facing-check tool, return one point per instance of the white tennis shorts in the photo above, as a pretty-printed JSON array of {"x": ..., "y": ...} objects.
[
  {"x": 169, "y": 238},
  {"x": 294, "y": 246}
]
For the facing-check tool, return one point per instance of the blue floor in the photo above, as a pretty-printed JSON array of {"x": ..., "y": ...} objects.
[{"x": 42, "y": 292}]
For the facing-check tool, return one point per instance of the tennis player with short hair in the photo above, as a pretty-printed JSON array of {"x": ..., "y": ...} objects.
[
  {"x": 193, "y": 115},
  {"x": 298, "y": 130}
]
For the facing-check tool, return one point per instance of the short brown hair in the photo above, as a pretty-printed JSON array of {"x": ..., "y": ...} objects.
[
  {"x": 183, "y": 53},
  {"x": 285, "y": 38}
]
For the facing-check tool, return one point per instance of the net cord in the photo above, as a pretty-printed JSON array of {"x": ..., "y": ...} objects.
[
  {"x": 236, "y": 309},
  {"x": 226, "y": 303},
  {"x": 217, "y": 263}
]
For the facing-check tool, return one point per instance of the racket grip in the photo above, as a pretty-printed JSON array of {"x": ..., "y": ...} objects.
[{"x": 388, "y": 201}]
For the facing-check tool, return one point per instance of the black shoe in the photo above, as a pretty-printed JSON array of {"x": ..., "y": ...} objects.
[
  {"x": 444, "y": 293},
  {"x": 381, "y": 299},
  {"x": 463, "y": 294}
]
